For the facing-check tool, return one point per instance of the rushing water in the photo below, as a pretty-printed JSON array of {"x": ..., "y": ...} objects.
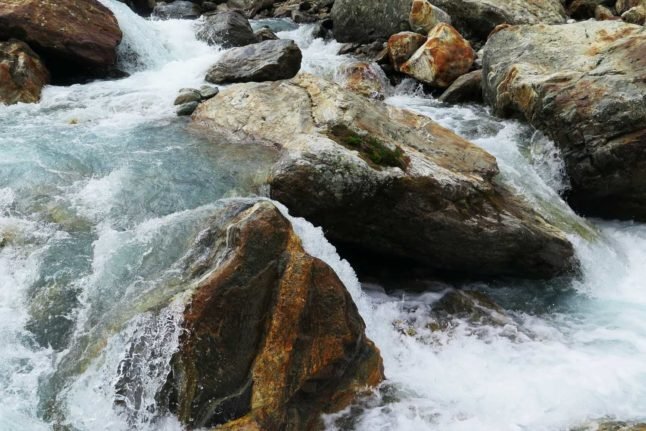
[{"x": 102, "y": 192}]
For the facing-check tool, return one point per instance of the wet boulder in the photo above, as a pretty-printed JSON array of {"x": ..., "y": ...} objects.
[
  {"x": 178, "y": 9},
  {"x": 467, "y": 88},
  {"x": 584, "y": 85},
  {"x": 270, "y": 60},
  {"x": 402, "y": 46},
  {"x": 476, "y": 18},
  {"x": 272, "y": 339},
  {"x": 387, "y": 182},
  {"x": 444, "y": 57},
  {"x": 364, "y": 78},
  {"x": 363, "y": 21},
  {"x": 227, "y": 29},
  {"x": 22, "y": 74},
  {"x": 73, "y": 38}
]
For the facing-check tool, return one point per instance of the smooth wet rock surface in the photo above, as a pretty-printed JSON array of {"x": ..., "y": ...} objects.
[
  {"x": 387, "y": 181},
  {"x": 444, "y": 57},
  {"x": 264, "y": 61},
  {"x": 584, "y": 85}
]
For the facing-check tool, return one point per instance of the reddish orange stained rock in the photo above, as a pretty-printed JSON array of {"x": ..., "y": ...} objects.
[
  {"x": 364, "y": 78},
  {"x": 273, "y": 338},
  {"x": 444, "y": 57},
  {"x": 401, "y": 46},
  {"x": 81, "y": 31},
  {"x": 22, "y": 74}
]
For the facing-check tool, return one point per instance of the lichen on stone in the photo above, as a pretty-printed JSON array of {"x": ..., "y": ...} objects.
[{"x": 371, "y": 149}]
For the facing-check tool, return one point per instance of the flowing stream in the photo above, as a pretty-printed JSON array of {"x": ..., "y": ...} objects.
[{"x": 102, "y": 192}]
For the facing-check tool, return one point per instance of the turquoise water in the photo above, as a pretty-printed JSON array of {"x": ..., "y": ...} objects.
[{"x": 103, "y": 192}]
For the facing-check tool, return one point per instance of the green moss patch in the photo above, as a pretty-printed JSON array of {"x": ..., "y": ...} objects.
[{"x": 372, "y": 150}]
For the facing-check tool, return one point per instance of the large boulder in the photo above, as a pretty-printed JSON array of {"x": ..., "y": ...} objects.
[
  {"x": 22, "y": 74},
  {"x": 227, "y": 29},
  {"x": 363, "y": 21},
  {"x": 272, "y": 339},
  {"x": 584, "y": 85},
  {"x": 386, "y": 181},
  {"x": 444, "y": 57},
  {"x": 270, "y": 60},
  {"x": 478, "y": 18},
  {"x": 73, "y": 37}
]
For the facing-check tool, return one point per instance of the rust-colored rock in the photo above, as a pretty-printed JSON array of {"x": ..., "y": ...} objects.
[
  {"x": 22, "y": 74},
  {"x": 273, "y": 338},
  {"x": 74, "y": 37},
  {"x": 367, "y": 79},
  {"x": 401, "y": 47},
  {"x": 444, "y": 57},
  {"x": 583, "y": 84}
]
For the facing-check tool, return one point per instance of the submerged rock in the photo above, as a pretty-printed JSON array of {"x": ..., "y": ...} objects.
[
  {"x": 444, "y": 57},
  {"x": 178, "y": 9},
  {"x": 265, "y": 61},
  {"x": 272, "y": 339},
  {"x": 72, "y": 37},
  {"x": 22, "y": 74},
  {"x": 467, "y": 88},
  {"x": 477, "y": 18},
  {"x": 387, "y": 181},
  {"x": 584, "y": 85},
  {"x": 227, "y": 29}
]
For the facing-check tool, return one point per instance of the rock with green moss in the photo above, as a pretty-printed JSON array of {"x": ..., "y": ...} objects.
[{"x": 387, "y": 182}]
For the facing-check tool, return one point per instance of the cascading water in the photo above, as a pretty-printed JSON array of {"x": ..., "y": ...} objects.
[{"x": 102, "y": 193}]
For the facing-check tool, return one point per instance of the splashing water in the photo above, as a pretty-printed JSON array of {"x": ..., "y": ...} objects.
[{"x": 102, "y": 192}]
